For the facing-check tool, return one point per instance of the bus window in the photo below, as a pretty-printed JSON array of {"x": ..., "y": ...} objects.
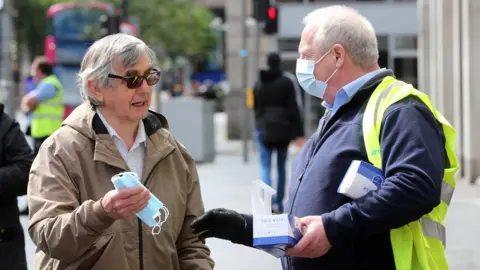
[
  {"x": 76, "y": 23},
  {"x": 68, "y": 78}
]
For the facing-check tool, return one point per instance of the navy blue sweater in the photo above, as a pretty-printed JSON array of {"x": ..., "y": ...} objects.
[{"x": 413, "y": 153}]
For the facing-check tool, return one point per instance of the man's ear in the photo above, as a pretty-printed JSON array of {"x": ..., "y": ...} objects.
[
  {"x": 95, "y": 90},
  {"x": 340, "y": 54}
]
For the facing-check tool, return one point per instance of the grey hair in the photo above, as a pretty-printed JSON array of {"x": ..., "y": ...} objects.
[
  {"x": 101, "y": 57},
  {"x": 345, "y": 26}
]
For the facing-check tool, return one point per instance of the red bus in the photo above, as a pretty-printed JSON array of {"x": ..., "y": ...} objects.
[{"x": 72, "y": 28}]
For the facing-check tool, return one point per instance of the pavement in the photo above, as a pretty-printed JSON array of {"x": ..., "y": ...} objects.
[{"x": 227, "y": 181}]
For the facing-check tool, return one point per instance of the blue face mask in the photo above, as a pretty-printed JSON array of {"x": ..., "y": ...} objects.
[
  {"x": 306, "y": 78},
  {"x": 150, "y": 215}
]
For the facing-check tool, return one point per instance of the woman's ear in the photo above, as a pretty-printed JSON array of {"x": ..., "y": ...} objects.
[{"x": 95, "y": 91}]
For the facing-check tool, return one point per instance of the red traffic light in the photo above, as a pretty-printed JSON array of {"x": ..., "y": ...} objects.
[{"x": 272, "y": 13}]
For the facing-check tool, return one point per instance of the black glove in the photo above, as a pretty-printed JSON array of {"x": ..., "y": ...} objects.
[{"x": 224, "y": 224}]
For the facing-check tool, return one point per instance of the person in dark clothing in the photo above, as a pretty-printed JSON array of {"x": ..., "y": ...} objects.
[
  {"x": 339, "y": 64},
  {"x": 277, "y": 122},
  {"x": 16, "y": 157}
]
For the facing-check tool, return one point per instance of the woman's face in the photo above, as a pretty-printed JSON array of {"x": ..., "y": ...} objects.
[{"x": 124, "y": 103}]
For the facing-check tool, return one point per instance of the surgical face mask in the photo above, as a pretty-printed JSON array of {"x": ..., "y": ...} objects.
[
  {"x": 150, "y": 215},
  {"x": 306, "y": 78}
]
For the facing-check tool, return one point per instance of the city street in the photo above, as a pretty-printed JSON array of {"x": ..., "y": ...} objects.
[{"x": 227, "y": 181}]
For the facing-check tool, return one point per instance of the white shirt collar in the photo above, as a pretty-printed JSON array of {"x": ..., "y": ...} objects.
[{"x": 141, "y": 135}]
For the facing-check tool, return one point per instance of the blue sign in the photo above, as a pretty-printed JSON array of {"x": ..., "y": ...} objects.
[{"x": 243, "y": 53}]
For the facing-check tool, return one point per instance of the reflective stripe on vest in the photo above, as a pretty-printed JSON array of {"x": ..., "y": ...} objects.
[
  {"x": 427, "y": 234},
  {"x": 434, "y": 229},
  {"x": 48, "y": 115}
]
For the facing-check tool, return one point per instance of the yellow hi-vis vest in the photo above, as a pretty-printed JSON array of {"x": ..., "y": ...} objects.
[
  {"x": 48, "y": 115},
  {"x": 421, "y": 243}
]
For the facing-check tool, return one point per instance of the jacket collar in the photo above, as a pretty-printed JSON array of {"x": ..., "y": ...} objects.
[
  {"x": 159, "y": 143},
  {"x": 364, "y": 92},
  {"x": 378, "y": 78}
]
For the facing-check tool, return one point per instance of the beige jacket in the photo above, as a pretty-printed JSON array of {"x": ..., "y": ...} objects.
[{"x": 71, "y": 174}]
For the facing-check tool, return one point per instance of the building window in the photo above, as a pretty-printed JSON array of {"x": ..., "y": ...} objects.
[
  {"x": 289, "y": 65},
  {"x": 405, "y": 42},
  {"x": 382, "y": 42},
  {"x": 406, "y": 70},
  {"x": 288, "y": 44}
]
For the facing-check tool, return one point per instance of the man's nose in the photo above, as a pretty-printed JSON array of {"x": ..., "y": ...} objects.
[{"x": 144, "y": 87}]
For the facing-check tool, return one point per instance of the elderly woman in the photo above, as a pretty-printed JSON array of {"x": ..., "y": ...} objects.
[{"x": 78, "y": 220}]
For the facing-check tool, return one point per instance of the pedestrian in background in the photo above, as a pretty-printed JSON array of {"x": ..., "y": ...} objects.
[
  {"x": 373, "y": 117},
  {"x": 43, "y": 105},
  {"x": 278, "y": 122}
]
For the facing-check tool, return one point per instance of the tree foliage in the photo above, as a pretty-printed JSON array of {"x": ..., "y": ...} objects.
[
  {"x": 30, "y": 24},
  {"x": 180, "y": 27}
]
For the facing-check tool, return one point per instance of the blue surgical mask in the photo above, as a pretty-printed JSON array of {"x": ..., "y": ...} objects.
[
  {"x": 306, "y": 78},
  {"x": 150, "y": 215}
]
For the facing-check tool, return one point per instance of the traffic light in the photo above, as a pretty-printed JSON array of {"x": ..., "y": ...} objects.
[
  {"x": 109, "y": 24},
  {"x": 114, "y": 24},
  {"x": 104, "y": 25},
  {"x": 260, "y": 8},
  {"x": 271, "y": 21}
]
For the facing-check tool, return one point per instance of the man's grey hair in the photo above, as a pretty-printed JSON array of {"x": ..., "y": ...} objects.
[
  {"x": 106, "y": 53},
  {"x": 345, "y": 26}
]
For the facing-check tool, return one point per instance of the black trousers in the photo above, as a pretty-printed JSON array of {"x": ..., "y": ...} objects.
[
  {"x": 12, "y": 249},
  {"x": 37, "y": 142}
]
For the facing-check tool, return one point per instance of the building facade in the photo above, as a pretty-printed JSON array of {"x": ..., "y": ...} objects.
[
  {"x": 244, "y": 55},
  {"x": 447, "y": 62}
]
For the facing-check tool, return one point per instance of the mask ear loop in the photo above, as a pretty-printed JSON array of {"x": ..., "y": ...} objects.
[
  {"x": 331, "y": 76},
  {"x": 323, "y": 56},
  {"x": 158, "y": 228}
]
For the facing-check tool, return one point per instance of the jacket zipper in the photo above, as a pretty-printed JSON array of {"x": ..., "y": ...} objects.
[
  {"x": 312, "y": 154},
  {"x": 140, "y": 231},
  {"x": 140, "y": 243},
  {"x": 289, "y": 260}
]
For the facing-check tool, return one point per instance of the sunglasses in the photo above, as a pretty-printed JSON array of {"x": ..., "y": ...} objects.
[{"x": 134, "y": 82}]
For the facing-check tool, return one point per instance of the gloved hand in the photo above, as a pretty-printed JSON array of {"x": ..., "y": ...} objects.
[{"x": 224, "y": 224}]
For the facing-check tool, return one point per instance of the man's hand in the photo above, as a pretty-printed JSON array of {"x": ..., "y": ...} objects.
[
  {"x": 314, "y": 242},
  {"x": 220, "y": 223},
  {"x": 126, "y": 202},
  {"x": 28, "y": 104},
  {"x": 299, "y": 142},
  {"x": 24, "y": 107}
]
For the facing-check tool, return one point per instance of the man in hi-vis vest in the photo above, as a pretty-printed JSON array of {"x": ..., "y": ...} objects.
[
  {"x": 44, "y": 104},
  {"x": 370, "y": 116}
]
